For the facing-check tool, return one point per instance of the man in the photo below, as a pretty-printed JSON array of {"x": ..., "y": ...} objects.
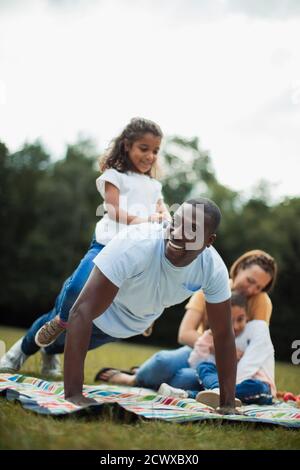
[{"x": 138, "y": 275}]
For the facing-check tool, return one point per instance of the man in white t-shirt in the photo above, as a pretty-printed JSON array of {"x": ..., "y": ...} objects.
[{"x": 136, "y": 276}]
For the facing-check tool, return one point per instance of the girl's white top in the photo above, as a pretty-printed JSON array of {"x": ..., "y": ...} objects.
[{"x": 139, "y": 195}]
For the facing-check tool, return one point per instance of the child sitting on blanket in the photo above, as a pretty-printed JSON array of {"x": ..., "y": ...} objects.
[{"x": 255, "y": 355}]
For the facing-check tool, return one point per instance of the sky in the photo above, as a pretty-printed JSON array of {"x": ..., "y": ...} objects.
[{"x": 227, "y": 71}]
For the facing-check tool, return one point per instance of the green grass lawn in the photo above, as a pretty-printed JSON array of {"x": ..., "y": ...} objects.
[{"x": 21, "y": 429}]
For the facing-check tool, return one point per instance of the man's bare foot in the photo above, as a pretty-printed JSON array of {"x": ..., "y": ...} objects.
[{"x": 115, "y": 376}]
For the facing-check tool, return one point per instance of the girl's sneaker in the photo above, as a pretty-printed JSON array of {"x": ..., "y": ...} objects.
[
  {"x": 167, "y": 391},
  {"x": 212, "y": 398},
  {"x": 49, "y": 332},
  {"x": 13, "y": 360}
]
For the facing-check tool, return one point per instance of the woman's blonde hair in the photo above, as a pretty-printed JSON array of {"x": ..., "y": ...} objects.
[{"x": 261, "y": 259}]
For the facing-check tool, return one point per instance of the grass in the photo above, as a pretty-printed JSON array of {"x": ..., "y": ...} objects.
[{"x": 21, "y": 429}]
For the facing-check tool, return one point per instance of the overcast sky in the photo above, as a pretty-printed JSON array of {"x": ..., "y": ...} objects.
[{"x": 227, "y": 71}]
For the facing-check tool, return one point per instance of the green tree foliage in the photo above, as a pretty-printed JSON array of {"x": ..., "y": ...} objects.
[{"x": 48, "y": 215}]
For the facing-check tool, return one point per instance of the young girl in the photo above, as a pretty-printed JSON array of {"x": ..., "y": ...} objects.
[{"x": 131, "y": 196}]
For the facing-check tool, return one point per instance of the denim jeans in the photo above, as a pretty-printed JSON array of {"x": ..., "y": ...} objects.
[
  {"x": 98, "y": 337},
  {"x": 63, "y": 303},
  {"x": 74, "y": 284},
  {"x": 171, "y": 367},
  {"x": 251, "y": 391}
]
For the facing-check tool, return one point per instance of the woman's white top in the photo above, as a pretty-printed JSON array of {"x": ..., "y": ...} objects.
[{"x": 139, "y": 195}]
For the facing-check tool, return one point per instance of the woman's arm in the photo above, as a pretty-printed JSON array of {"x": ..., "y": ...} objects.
[
  {"x": 192, "y": 324},
  {"x": 189, "y": 331},
  {"x": 161, "y": 209},
  {"x": 260, "y": 307}
]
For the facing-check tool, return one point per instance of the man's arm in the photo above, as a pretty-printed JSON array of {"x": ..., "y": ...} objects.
[
  {"x": 95, "y": 297},
  {"x": 219, "y": 319}
]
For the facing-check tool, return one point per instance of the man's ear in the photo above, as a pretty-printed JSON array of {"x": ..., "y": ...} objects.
[{"x": 211, "y": 240}]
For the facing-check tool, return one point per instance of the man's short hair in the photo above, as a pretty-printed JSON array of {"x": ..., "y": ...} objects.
[{"x": 211, "y": 212}]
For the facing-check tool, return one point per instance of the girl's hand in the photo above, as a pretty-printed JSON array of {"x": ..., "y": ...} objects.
[
  {"x": 156, "y": 217},
  {"x": 160, "y": 217},
  {"x": 167, "y": 216}
]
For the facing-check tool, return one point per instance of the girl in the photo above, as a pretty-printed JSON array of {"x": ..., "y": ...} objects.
[{"x": 131, "y": 196}]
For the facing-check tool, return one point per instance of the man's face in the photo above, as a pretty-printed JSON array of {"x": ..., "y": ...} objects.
[{"x": 188, "y": 235}]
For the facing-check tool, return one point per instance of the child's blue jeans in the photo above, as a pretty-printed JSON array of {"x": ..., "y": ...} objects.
[
  {"x": 63, "y": 303},
  {"x": 171, "y": 367},
  {"x": 251, "y": 391},
  {"x": 74, "y": 284}
]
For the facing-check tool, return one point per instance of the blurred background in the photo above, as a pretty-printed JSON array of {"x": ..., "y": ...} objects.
[{"x": 222, "y": 79}]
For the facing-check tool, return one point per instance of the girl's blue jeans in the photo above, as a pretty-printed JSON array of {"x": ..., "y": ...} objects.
[
  {"x": 74, "y": 284},
  {"x": 251, "y": 391},
  {"x": 98, "y": 337},
  {"x": 171, "y": 367},
  {"x": 64, "y": 301}
]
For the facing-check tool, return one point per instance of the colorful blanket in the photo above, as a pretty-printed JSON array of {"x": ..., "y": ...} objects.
[{"x": 130, "y": 402}]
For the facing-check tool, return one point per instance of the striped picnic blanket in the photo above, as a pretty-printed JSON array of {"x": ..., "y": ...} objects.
[{"x": 131, "y": 402}]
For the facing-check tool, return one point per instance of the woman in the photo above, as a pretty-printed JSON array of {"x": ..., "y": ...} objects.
[{"x": 254, "y": 274}]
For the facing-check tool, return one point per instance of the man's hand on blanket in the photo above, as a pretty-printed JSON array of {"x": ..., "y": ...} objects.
[
  {"x": 228, "y": 410},
  {"x": 81, "y": 400}
]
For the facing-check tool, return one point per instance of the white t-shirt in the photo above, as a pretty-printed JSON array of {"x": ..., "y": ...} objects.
[
  {"x": 257, "y": 361},
  {"x": 258, "y": 358},
  {"x": 148, "y": 282},
  {"x": 139, "y": 195}
]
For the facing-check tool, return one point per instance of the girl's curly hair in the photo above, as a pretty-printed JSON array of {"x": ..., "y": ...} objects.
[{"x": 117, "y": 156}]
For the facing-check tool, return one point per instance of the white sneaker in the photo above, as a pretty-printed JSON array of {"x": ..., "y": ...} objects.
[
  {"x": 13, "y": 360},
  {"x": 50, "y": 365},
  {"x": 167, "y": 391},
  {"x": 212, "y": 398}
]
